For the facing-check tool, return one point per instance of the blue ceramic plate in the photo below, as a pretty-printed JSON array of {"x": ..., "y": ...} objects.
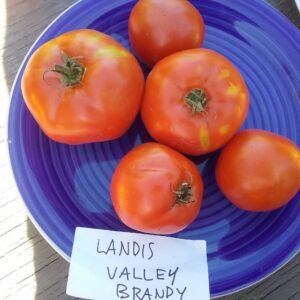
[{"x": 68, "y": 186}]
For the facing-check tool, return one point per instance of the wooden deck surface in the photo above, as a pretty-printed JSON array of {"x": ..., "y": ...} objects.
[{"x": 29, "y": 267}]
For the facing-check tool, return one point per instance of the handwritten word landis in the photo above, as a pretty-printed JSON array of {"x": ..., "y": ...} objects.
[{"x": 126, "y": 248}]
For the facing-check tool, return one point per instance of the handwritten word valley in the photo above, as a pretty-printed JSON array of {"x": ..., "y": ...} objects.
[{"x": 144, "y": 274}]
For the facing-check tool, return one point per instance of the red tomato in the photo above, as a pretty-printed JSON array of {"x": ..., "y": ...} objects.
[
  {"x": 259, "y": 170},
  {"x": 83, "y": 86},
  {"x": 156, "y": 189},
  {"x": 158, "y": 28},
  {"x": 194, "y": 101}
]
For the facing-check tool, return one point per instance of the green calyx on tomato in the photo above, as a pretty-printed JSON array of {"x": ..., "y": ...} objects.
[
  {"x": 155, "y": 189},
  {"x": 184, "y": 194},
  {"x": 68, "y": 82},
  {"x": 194, "y": 101},
  {"x": 71, "y": 71},
  {"x": 197, "y": 100}
]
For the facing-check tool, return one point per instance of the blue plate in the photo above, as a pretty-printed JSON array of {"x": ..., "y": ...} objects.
[{"x": 68, "y": 186}]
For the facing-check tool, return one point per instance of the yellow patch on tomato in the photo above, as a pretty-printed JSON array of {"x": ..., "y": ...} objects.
[
  {"x": 204, "y": 138},
  {"x": 239, "y": 111},
  {"x": 121, "y": 191},
  {"x": 93, "y": 39},
  {"x": 197, "y": 36},
  {"x": 233, "y": 89},
  {"x": 243, "y": 96},
  {"x": 224, "y": 129},
  {"x": 225, "y": 73},
  {"x": 295, "y": 154},
  {"x": 111, "y": 52}
]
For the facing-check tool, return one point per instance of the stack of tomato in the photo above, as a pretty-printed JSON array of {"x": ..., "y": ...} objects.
[{"x": 83, "y": 87}]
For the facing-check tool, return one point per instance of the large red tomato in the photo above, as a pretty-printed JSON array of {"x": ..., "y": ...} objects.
[
  {"x": 194, "y": 101},
  {"x": 259, "y": 170},
  {"x": 83, "y": 86},
  {"x": 156, "y": 189},
  {"x": 158, "y": 28}
]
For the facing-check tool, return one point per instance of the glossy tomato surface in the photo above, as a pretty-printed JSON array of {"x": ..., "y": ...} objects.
[
  {"x": 97, "y": 105},
  {"x": 194, "y": 101},
  {"x": 155, "y": 189},
  {"x": 259, "y": 170},
  {"x": 159, "y": 28}
]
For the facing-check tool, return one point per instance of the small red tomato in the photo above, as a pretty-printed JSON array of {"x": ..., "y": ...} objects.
[
  {"x": 82, "y": 87},
  {"x": 194, "y": 101},
  {"x": 158, "y": 28},
  {"x": 156, "y": 189},
  {"x": 259, "y": 170}
]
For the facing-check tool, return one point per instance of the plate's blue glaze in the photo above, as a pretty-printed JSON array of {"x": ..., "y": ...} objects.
[{"x": 68, "y": 186}]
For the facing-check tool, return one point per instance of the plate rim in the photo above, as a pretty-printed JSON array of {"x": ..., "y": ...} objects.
[{"x": 28, "y": 212}]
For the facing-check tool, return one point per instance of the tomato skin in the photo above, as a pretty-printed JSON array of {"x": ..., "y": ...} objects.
[
  {"x": 102, "y": 106},
  {"x": 143, "y": 189},
  {"x": 259, "y": 170},
  {"x": 169, "y": 119},
  {"x": 159, "y": 28}
]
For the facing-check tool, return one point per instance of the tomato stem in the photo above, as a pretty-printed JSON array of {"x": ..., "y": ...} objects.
[
  {"x": 197, "y": 100},
  {"x": 184, "y": 194},
  {"x": 71, "y": 71}
]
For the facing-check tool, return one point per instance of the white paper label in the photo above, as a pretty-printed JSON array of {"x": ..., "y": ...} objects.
[{"x": 110, "y": 265}]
